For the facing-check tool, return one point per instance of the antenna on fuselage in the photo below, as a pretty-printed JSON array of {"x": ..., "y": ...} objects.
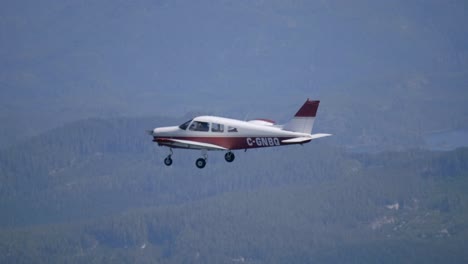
[{"x": 246, "y": 116}]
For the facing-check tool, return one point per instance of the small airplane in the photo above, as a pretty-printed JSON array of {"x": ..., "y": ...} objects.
[{"x": 208, "y": 133}]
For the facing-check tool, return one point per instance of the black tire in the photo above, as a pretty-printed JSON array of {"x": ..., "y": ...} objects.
[
  {"x": 168, "y": 161},
  {"x": 229, "y": 156},
  {"x": 200, "y": 163}
]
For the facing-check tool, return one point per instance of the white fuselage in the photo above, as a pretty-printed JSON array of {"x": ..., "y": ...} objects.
[{"x": 227, "y": 133}]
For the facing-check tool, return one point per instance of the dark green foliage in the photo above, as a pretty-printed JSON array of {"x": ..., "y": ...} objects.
[{"x": 104, "y": 196}]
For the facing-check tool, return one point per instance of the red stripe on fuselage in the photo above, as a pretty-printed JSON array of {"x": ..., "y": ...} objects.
[{"x": 229, "y": 142}]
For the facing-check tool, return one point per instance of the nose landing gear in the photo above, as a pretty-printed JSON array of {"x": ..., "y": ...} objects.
[{"x": 168, "y": 160}]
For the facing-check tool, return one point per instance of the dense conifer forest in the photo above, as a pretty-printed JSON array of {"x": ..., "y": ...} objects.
[{"x": 97, "y": 191}]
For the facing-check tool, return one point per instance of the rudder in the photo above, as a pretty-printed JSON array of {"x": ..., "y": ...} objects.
[{"x": 303, "y": 120}]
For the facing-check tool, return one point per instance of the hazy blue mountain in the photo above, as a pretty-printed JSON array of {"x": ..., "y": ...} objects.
[{"x": 387, "y": 72}]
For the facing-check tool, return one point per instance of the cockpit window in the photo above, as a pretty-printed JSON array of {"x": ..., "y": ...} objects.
[
  {"x": 199, "y": 126},
  {"x": 185, "y": 125}
]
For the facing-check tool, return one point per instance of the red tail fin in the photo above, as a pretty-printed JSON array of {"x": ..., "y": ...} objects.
[
  {"x": 309, "y": 109},
  {"x": 303, "y": 121}
]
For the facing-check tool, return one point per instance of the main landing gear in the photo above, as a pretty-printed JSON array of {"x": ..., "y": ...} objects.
[
  {"x": 229, "y": 156},
  {"x": 201, "y": 162}
]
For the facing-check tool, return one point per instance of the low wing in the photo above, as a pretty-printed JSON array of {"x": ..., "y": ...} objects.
[
  {"x": 304, "y": 139},
  {"x": 190, "y": 144}
]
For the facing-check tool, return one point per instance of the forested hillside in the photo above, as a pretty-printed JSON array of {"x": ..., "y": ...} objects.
[{"x": 97, "y": 191}]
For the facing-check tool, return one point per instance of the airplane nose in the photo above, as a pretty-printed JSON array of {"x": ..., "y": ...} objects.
[
  {"x": 157, "y": 132},
  {"x": 162, "y": 131}
]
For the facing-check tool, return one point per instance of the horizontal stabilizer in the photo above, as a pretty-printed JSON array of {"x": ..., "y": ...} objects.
[
  {"x": 297, "y": 140},
  {"x": 304, "y": 139},
  {"x": 319, "y": 135}
]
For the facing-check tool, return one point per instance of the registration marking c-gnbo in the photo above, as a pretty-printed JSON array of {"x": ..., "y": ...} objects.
[{"x": 263, "y": 142}]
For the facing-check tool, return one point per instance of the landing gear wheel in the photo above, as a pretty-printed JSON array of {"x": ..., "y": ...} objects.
[
  {"x": 168, "y": 161},
  {"x": 229, "y": 157},
  {"x": 200, "y": 163}
]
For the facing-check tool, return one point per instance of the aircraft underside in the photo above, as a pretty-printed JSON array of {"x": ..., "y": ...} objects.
[
  {"x": 231, "y": 143},
  {"x": 220, "y": 144}
]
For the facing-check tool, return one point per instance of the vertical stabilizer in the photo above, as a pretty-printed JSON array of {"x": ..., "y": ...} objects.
[{"x": 303, "y": 121}]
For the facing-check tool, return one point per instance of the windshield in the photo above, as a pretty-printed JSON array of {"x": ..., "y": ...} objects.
[
  {"x": 185, "y": 125},
  {"x": 199, "y": 126}
]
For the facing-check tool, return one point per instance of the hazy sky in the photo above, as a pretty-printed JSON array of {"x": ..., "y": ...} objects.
[{"x": 67, "y": 60}]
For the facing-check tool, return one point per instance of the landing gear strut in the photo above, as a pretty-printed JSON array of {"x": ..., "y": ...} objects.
[
  {"x": 201, "y": 162},
  {"x": 229, "y": 156},
  {"x": 168, "y": 160}
]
